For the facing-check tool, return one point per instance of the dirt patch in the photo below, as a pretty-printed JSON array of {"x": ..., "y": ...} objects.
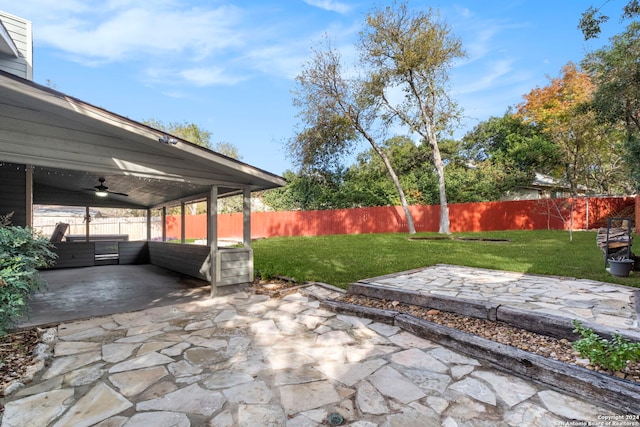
[
  {"x": 16, "y": 355},
  {"x": 463, "y": 239},
  {"x": 275, "y": 288}
]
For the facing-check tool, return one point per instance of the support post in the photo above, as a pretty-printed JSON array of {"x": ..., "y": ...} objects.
[
  {"x": 212, "y": 238},
  {"x": 246, "y": 218},
  {"x": 164, "y": 224},
  {"x": 29, "y": 196},
  {"x": 182, "y": 224},
  {"x": 246, "y": 228},
  {"x": 148, "y": 225},
  {"x": 87, "y": 223}
]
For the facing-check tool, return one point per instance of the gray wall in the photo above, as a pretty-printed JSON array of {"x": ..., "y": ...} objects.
[
  {"x": 20, "y": 32},
  {"x": 186, "y": 259},
  {"x": 236, "y": 265},
  {"x": 133, "y": 253},
  {"x": 13, "y": 184},
  {"x": 74, "y": 254}
]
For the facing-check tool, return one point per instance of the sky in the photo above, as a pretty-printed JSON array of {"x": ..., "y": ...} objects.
[{"x": 230, "y": 66}]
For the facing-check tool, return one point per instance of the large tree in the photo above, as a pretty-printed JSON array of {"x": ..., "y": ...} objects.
[
  {"x": 510, "y": 150},
  {"x": 592, "y": 19},
  {"x": 590, "y": 150},
  {"x": 188, "y": 131},
  {"x": 336, "y": 112},
  {"x": 410, "y": 52},
  {"x": 563, "y": 110},
  {"x": 616, "y": 71},
  {"x": 193, "y": 133}
]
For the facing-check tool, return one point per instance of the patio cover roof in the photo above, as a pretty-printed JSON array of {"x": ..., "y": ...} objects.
[{"x": 71, "y": 143}]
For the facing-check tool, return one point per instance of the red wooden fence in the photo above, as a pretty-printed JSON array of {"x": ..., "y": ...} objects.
[{"x": 486, "y": 216}]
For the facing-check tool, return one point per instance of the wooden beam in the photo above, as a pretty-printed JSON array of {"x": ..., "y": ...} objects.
[
  {"x": 164, "y": 224},
  {"x": 87, "y": 222},
  {"x": 182, "y": 224},
  {"x": 246, "y": 218},
  {"x": 212, "y": 238},
  {"x": 29, "y": 196},
  {"x": 148, "y": 224}
]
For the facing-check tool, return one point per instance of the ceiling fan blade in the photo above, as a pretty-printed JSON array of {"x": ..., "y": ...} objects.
[{"x": 102, "y": 189}]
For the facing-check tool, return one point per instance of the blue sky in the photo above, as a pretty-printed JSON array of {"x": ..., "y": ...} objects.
[{"x": 230, "y": 66}]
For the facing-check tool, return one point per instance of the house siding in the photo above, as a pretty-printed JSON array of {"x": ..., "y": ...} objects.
[
  {"x": 20, "y": 32},
  {"x": 13, "y": 193}
]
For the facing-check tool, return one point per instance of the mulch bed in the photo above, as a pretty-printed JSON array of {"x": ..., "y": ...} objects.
[
  {"x": 558, "y": 349},
  {"x": 16, "y": 355}
]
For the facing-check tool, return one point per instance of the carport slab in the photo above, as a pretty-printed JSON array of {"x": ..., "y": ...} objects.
[{"x": 81, "y": 293}]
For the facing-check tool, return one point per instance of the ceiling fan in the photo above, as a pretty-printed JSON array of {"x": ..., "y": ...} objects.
[{"x": 102, "y": 190}]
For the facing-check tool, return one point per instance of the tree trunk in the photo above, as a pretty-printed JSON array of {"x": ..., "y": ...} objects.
[
  {"x": 403, "y": 199},
  {"x": 439, "y": 164},
  {"x": 396, "y": 182}
]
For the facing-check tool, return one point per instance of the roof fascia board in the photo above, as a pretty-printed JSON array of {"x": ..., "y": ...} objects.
[
  {"x": 76, "y": 106},
  {"x": 201, "y": 197}
]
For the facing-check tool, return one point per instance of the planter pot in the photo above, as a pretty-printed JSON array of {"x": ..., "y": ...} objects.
[{"x": 620, "y": 268}]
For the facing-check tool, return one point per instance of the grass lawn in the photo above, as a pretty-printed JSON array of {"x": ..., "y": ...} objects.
[{"x": 343, "y": 259}]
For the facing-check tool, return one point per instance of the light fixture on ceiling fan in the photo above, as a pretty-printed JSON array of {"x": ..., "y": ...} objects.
[{"x": 102, "y": 190}]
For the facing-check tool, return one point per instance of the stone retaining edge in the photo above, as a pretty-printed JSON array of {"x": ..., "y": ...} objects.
[
  {"x": 375, "y": 314},
  {"x": 619, "y": 394},
  {"x": 460, "y": 306},
  {"x": 555, "y": 326},
  {"x": 547, "y": 324}
]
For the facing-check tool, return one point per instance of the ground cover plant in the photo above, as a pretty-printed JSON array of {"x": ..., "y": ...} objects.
[
  {"x": 21, "y": 254},
  {"x": 343, "y": 259},
  {"x": 611, "y": 354}
]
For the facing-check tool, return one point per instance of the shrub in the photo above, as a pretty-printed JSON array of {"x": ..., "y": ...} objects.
[
  {"x": 612, "y": 355},
  {"x": 21, "y": 254}
]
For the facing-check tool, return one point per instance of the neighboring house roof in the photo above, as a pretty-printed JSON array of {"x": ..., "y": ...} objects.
[
  {"x": 545, "y": 181},
  {"x": 72, "y": 143}
]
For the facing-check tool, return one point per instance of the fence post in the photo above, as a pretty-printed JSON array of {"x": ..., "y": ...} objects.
[{"x": 637, "y": 205}]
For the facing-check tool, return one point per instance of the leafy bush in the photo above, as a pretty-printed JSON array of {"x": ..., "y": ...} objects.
[
  {"x": 612, "y": 355},
  {"x": 21, "y": 253}
]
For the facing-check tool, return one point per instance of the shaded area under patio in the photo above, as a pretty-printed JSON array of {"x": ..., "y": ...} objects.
[{"x": 81, "y": 293}]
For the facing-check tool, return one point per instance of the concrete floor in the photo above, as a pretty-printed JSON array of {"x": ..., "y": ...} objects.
[{"x": 82, "y": 293}]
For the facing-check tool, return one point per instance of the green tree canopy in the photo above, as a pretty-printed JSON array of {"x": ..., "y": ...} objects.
[
  {"x": 513, "y": 145},
  {"x": 592, "y": 19},
  {"x": 185, "y": 130},
  {"x": 615, "y": 69}
]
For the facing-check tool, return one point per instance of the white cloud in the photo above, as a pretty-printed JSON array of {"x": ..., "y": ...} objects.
[
  {"x": 498, "y": 70},
  {"x": 195, "y": 76},
  {"x": 172, "y": 42},
  {"x": 131, "y": 33},
  {"x": 330, "y": 5},
  {"x": 281, "y": 60},
  {"x": 209, "y": 76}
]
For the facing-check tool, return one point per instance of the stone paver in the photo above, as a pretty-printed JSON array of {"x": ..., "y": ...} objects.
[
  {"x": 246, "y": 360},
  {"x": 587, "y": 300}
]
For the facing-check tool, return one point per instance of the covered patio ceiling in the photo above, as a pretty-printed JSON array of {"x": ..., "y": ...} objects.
[{"x": 71, "y": 144}]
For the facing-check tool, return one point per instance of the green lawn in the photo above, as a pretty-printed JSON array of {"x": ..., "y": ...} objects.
[{"x": 343, "y": 259}]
